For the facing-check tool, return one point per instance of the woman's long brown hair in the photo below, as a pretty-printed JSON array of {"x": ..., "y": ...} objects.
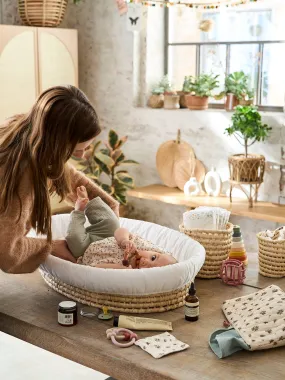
[{"x": 41, "y": 142}]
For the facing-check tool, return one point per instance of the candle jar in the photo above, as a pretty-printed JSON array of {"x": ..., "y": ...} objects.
[{"x": 67, "y": 313}]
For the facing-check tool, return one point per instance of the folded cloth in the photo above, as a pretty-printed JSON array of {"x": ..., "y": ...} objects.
[
  {"x": 225, "y": 342},
  {"x": 259, "y": 318},
  {"x": 161, "y": 345}
]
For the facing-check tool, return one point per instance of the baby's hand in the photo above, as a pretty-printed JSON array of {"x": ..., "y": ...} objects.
[
  {"x": 128, "y": 246},
  {"x": 82, "y": 192},
  {"x": 81, "y": 203}
]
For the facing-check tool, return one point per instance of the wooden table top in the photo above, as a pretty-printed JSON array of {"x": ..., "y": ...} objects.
[
  {"x": 29, "y": 311},
  {"x": 261, "y": 210}
]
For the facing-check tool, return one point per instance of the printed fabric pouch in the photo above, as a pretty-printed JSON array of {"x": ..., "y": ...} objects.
[
  {"x": 161, "y": 345},
  {"x": 259, "y": 318}
]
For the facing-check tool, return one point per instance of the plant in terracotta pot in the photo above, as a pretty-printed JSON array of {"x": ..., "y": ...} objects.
[
  {"x": 236, "y": 86},
  {"x": 247, "y": 97},
  {"x": 247, "y": 128},
  {"x": 104, "y": 165},
  {"x": 200, "y": 89}
]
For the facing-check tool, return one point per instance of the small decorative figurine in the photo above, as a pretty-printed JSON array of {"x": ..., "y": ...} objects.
[
  {"x": 232, "y": 272},
  {"x": 105, "y": 315},
  {"x": 238, "y": 251}
]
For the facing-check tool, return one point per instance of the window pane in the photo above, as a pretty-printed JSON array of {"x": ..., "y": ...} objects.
[
  {"x": 183, "y": 25},
  {"x": 213, "y": 60},
  {"x": 273, "y": 88},
  {"x": 182, "y": 61},
  {"x": 245, "y": 58}
]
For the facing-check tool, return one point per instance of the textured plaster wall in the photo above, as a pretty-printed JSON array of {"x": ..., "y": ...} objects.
[{"x": 106, "y": 56}]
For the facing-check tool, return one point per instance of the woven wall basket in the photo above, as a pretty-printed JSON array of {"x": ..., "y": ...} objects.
[
  {"x": 47, "y": 13},
  {"x": 271, "y": 257},
  {"x": 248, "y": 169},
  {"x": 155, "y": 303},
  {"x": 217, "y": 245}
]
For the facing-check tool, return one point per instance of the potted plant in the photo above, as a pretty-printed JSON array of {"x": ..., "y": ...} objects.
[
  {"x": 156, "y": 100},
  {"x": 182, "y": 100},
  {"x": 236, "y": 85},
  {"x": 199, "y": 89},
  {"x": 106, "y": 164},
  {"x": 247, "y": 97},
  {"x": 247, "y": 128}
]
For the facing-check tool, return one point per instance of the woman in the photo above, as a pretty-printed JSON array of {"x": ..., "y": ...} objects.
[{"x": 34, "y": 150}]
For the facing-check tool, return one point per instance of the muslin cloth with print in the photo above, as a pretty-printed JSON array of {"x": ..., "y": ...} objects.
[{"x": 161, "y": 345}]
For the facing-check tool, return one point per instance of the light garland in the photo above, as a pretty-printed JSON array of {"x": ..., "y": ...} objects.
[{"x": 214, "y": 5}]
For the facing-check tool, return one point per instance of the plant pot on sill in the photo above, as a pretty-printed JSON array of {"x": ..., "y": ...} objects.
[
  {"x": 155, "y": 101},
  {"x": 47, "y": 13},
  {"x": 182, "y": 100},
  {"x": 231, "y": 102},
  {"x": 244, "y": 102},
  {"x": 248, "y": 169},
  {"x": 194, "y": 102},
  {"x": 171, "y": 101}
]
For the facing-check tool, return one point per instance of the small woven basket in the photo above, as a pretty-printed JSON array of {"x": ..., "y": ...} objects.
[
  {"x": 153, "y": 303},
  {"x": 217, "y": 245},
  {"x": 271, "y": 257},
  {"x": 47, "y": 13},
  {"x": 248, "y": 169},
  {"x": 156, "y": 101}
]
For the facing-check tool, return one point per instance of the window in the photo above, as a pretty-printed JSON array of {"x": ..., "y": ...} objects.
[{"x": 250, "y": 40}]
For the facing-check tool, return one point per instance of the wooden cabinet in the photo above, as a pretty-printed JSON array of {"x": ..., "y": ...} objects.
[{"x": 32, "y": 60}]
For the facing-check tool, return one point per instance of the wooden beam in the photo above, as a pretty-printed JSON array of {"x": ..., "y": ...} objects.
[{"x": 261, "y": 210}]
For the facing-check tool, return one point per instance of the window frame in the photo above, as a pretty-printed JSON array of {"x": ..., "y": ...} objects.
[{"x": 228, "y": 44}]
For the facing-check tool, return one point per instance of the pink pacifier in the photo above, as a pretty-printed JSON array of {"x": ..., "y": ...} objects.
[{"x": 122, "y": 334}]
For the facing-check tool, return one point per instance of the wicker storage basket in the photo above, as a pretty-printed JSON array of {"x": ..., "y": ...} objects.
[
  {"x": 248, "y": 169},
  {"x": 155, "y": 303},
  {"x": 271, "y": 257},
  {"x": 47, "y": 13},
  {"x": 217, "y": 245}
]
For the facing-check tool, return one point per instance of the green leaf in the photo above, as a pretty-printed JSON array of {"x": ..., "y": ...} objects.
[
  {"x": 129, "y": 162},
  {"x": 125, "y": 179},
  {"x": 104, "y": 168},
  {"x": 120, "y": 158},
  {"x": 113, "y": 138},
  {"x": 116, "y": 154},
  {"x": 121, "y": 141},
  {"x": 120, "y": 198},
  {"x": 107, "y": 188},
  {"x": 95, "y": 146},
  {"x": 106, "y": 160},
  {"x": 81, "y": 167},
  {"x": 92, "y": 176}
]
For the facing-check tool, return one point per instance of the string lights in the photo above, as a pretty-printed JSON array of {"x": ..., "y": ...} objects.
[{"x": 203, "y": 5}]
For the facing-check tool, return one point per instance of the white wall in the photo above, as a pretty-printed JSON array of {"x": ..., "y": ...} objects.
[{"x": 106, "y": 75}]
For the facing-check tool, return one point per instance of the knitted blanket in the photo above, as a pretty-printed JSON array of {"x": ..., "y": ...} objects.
[{"x": 259, "y": 318}]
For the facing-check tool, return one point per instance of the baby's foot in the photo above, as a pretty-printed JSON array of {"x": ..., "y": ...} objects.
[
  {"x": 81, "y": 204},
  {"x": 82, "y": 192}
]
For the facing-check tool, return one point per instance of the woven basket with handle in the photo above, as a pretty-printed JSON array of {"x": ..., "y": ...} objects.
[
  {"x": 217, "y": 245},
  {"x": 271, "y": 257},
  {"x": 47, "y": 13}
]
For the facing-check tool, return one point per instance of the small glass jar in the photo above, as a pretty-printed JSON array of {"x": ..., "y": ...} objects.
[{"x": 67, "y": 313}]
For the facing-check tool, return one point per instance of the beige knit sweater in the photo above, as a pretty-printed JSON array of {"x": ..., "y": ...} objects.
[{"x": 21, "y": 254}]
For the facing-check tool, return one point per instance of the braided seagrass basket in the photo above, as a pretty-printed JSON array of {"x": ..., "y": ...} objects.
[
  {"x": 271, "y": 257},
  {"x": 47, "y": 13},
  {"x": 217, "y": 245},
  {"x": 154, "y": 303}
]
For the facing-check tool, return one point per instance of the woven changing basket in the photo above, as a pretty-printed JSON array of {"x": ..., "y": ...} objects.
[
  {"x": 217, "y": 245},
  {"x": 155, "y": 303},
  {"x": 47, "y": 13},
  {"x": 271, "y": 257}
]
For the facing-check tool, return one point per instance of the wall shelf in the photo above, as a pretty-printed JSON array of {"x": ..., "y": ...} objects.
[{"x": 261, "y": 210}]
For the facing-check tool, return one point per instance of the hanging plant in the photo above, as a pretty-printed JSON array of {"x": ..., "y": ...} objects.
[{"x": 108, "y": 162}]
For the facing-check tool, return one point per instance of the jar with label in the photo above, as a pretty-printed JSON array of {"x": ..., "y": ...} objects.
[
  {"x": 191, "y": 305},
  {"x": 67, "y": 313}
]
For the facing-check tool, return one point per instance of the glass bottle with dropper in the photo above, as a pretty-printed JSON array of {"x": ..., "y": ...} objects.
[{"x": 192, "y": 305}]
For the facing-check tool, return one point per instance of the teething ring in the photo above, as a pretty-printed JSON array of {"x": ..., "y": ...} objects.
[{"x": 128, "y": 335}]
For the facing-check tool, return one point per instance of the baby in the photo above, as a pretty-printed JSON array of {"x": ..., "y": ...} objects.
[{"x": 104, "y": 244}]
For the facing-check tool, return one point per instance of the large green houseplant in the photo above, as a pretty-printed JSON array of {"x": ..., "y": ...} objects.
[
  {"x": 247, "y": 128},
  {"x": 199, "y": 90},
  {"x": 104, "y": 167}
]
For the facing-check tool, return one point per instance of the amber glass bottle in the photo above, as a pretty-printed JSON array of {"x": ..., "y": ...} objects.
[{"x": 192, "y": 305}]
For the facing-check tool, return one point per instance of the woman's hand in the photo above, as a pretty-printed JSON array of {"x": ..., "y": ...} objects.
[{"x": 60, "y": 249}]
